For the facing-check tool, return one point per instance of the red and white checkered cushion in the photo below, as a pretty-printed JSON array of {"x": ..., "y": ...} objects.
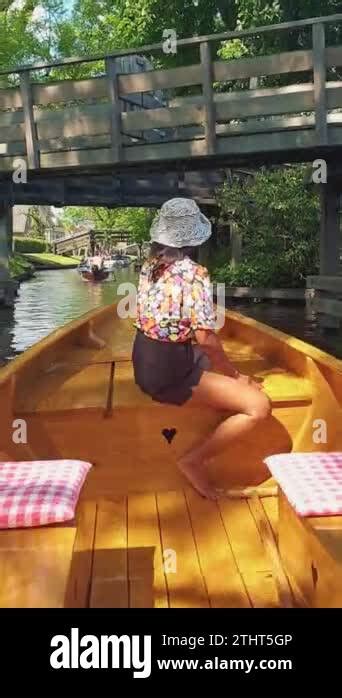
[
  {"x": 38, "y": 493},
  {"x": 312, "y": 482}
]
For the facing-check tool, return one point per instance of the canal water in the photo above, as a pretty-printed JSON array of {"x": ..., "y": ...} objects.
[{"x": 53, "y": 298}]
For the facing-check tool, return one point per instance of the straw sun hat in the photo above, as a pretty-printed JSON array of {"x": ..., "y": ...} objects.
[{"x": 180, "y": 223}]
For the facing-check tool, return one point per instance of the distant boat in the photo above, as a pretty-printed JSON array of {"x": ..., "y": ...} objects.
[{"x": 95, "y": 275}]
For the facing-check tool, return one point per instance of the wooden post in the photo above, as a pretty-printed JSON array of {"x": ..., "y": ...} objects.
[
  {"x": 7, "y": 285},
  {"x": 329, "y": 239},
  {"x": 208, "y": 98},
  {"x": 319, "y": 77},
  {"x": 5, "y": 226},
  {"x": 32, "y": 149},
  {"x": 113, "y": 95}
]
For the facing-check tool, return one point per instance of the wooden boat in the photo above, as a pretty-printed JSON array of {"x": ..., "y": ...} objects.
[
  {"x": 95, "y": 276},
  {"x": 136, "y": 510}
]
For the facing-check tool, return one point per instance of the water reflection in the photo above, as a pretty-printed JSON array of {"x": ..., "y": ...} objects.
[
  {"x": 49, "y": 300},
  {"x": 53, "y": 298}
]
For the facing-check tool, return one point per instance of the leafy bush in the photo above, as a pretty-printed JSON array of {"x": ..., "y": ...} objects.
[
  {"x": 277, "y": 214},
  {"x": 30, "y": 245}
]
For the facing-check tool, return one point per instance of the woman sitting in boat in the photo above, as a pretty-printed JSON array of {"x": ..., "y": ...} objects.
[{"x": 174, "y": 308}]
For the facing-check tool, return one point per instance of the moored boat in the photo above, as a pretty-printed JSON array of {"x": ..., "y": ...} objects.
[{"x": 80, "y": 401}]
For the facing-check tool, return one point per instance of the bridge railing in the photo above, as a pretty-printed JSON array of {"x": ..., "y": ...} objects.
[{"x": 82, "y": 122}]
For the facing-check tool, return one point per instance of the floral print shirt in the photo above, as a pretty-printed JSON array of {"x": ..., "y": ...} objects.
[{"x": 175, "y": 305}]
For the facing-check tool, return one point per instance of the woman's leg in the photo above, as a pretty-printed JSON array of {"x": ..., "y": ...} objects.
[{"x": 249, "y": 405}]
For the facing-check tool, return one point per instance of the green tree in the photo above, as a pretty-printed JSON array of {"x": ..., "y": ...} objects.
[
  {"x": 29, "y": 31},
  {"x": 277, "y": 214},
  {"x": 136, "y": 221}
]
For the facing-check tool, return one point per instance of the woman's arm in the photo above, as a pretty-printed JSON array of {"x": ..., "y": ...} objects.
[{"x": 212, "y": 346}]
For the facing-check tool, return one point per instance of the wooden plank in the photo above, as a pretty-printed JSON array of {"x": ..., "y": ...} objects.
[
  {"x": 10, "y": 98},
  {"x": 30, "y": 128},
  {"x": 165, "y": 150},
  {"x": 17, "y": 148},
  {"x": 255, "y": 125},
  {"x": 109, "y": 587},
  {"x": 115, "y": 109},
  {"x": 261, "y": 292},
  {"x": 75, "y": 158},
  {"x": 325, "y": 283},
  {"x": 160, "y": 79},
  {"x": 78, "y": 591},
  {"x": 66, "y": 90},
  {"x": 147, "y": 583},
  {"x": 209, "y": 105},
  {"x": 328, "y": 306},
  {"x": 52, "y": 145},
  {"x": 249, "y": 553},
  {"x": 270, "y": 505},
  {"x": 5, "y": 232},
  {"x": 267, "y": 143},
  {"x": 333, "y": 56},
  {"x": 238, "y": 146},
  {"x": 283, "y": 100},
  {"x": 186, "y": 585},
  {"x": 266, "y": 534},
  {"x": 35, "y": 565},
  {"x": 66, "y": 388},
  {"x": 15, "y": 132},
  {"x": 312, "y": 558},
  {"x": 319, "y": 78},
  {"x": 162, "y": 118},
  {"x": 74, "y": 121},
  {"x": 247, "y": 95},
  {"x": 11, "y": 118},
  {"x": 333, "y": 94},
  {"x": 287, "y": 62},
  {"x": 224, "y": 583}
]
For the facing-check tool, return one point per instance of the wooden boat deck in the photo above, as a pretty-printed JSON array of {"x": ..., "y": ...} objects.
[
  {"x": 135, "y": 508},
  {"x": 120, "y": 555}
]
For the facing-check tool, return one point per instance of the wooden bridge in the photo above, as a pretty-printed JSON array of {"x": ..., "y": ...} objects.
[
  {"x": 84, "y": 244},
  {"x": 81, "y": 138},
  {"x": 84, "y": 125}
]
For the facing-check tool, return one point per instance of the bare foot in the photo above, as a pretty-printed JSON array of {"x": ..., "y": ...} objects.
[{"x": 193, "y": 471}]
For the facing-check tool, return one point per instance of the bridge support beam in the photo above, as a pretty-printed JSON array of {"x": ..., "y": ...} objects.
[
  {"x": 329, "y": 240},
  {"x": 7, "y": 287}
]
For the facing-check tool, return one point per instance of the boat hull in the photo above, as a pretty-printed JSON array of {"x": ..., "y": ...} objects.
[
  {"x": 95, "y": 277},
  {"x": 80, "y": 401}
]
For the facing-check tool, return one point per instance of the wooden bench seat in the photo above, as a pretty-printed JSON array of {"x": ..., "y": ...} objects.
[
  {"x": 311, "y": 550},
  {"x": 65, "y": 387},
  {"x": 280, "y": 385}
]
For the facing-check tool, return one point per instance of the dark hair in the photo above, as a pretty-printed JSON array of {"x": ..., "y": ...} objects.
[{"x": 164, "y": 256}]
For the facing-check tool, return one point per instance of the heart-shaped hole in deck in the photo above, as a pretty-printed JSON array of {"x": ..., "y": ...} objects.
[{"x": 169, "y": 434}]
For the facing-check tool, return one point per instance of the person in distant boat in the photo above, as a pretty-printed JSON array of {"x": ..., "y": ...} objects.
[
  {"x": 97, "y": 261},
  {"x": 177, "y": 356}
]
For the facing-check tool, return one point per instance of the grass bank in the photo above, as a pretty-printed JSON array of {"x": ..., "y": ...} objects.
[
  {"x": 20, "y": 268},
  {"x": 46, "y": 260}
]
